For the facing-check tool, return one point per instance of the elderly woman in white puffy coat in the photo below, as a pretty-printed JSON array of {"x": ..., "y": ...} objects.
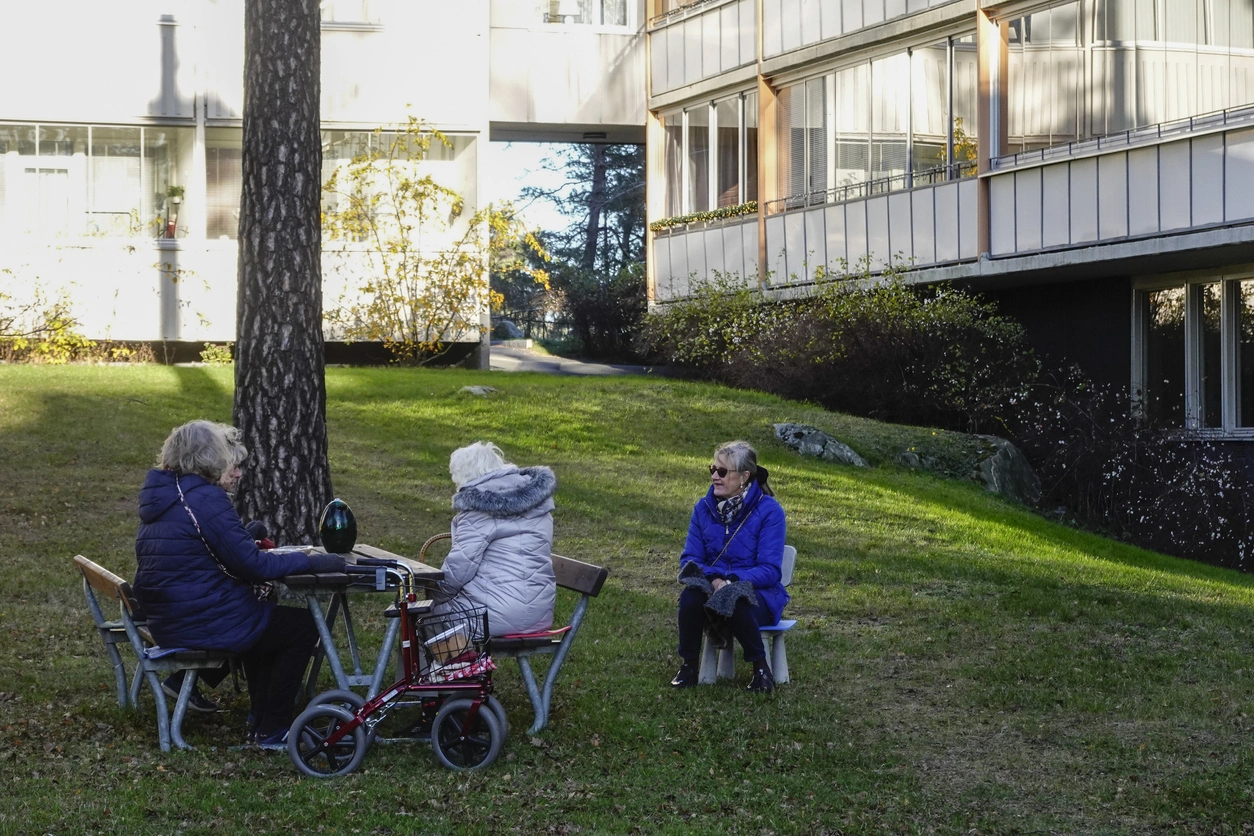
[{"x": 501, "y": 558}]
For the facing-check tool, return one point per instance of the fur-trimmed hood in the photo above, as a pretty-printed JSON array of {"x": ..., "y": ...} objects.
[{"x": 508, "y": 492}]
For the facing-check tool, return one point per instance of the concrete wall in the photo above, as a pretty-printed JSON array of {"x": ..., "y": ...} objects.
[
  {"x": 1085, "y": 322},
  {"x": 77, "y": 61},
  {"x": 556, "y": 81}
]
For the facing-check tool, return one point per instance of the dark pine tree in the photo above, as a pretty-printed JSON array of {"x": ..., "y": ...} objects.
[{"x": 280, "y": 389}]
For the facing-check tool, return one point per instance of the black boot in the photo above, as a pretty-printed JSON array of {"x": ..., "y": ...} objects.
[
  {"x": 763, "y": 681},
  {"x": 687, "y": 676}
]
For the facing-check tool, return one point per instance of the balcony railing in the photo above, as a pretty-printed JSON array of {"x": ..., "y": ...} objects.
[
  {"x": 867, "y": 188},
  {"x": 1134, "y": 136},
  {"x": 695, "y": 7}
]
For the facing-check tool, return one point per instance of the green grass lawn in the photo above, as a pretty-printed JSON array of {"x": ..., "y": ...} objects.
[{"x": 960, "y": 665}]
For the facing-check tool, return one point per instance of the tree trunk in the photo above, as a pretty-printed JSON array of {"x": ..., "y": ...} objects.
[
  {"x": 596, "y": 207},
  {"x": 280, "y": 390}
]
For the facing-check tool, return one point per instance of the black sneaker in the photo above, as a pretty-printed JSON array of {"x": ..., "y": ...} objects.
[
  {"x": 686, "y": 678},
  {"x": 763, "y": 681},
  {"x": 197, "y": 701}
]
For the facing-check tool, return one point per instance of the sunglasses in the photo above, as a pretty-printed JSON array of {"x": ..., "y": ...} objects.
[{"x": 721, "y": 471}]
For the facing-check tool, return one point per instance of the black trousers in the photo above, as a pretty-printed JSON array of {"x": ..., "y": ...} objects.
[
  {"x": 744, "y": 623},
  {"x": 275, "y": 665}
]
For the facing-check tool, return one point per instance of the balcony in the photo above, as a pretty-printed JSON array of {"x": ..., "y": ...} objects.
[{"x": 693, "y": 43}]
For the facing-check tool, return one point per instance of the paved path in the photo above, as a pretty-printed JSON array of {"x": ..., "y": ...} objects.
[{"x": 507, "y": 359}]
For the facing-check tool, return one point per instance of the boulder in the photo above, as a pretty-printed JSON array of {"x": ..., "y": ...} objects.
[
  {"x": 479, "y": 391},
  {"x": 1005, "y": 470},
  {"x": 506, "y": 330},
  {"x": 814, "y": 443}
]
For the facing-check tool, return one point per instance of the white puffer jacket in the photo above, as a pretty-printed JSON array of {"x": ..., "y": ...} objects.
[{"x": 501, "y": 557}]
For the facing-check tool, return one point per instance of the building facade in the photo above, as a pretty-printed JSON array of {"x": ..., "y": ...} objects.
[
  {"x": 1087, "y": 164},
  {"x": 120, "y": 161}
]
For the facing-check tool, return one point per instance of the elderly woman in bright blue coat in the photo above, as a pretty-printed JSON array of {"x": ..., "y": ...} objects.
[
  {"x": 731, "y": 565},
  {"x": 198, "y": 568}
]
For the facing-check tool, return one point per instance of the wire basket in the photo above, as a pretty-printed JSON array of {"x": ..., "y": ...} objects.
[{"x": 453, "y": 644}]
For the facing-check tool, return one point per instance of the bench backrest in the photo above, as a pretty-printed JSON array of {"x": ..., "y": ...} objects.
[
  {"x": 114, "y": 588},
  {"x": 101, "y": 579},
  {"x": 581, "y": 577},
  {"x": 572, "y": 574},
  {"x": 790, "y": 561}
]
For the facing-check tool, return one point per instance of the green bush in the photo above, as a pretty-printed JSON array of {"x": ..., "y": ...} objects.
[
  {"x": 938, "y": 356},
  {"x": 604, "y": 313}
]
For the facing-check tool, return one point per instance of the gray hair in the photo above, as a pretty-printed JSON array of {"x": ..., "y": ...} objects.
[
  {"x": 741, "y": 456},
  {"x": 205, "y": 448},
  {"x": 472, "y": 461}
]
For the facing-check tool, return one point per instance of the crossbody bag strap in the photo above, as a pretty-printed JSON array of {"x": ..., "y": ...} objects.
[{"x": 262, "y": 590}]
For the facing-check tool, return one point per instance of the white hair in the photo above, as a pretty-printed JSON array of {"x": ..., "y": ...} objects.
[
  {"x": 470, "y": 462},
  {"x": 205, "y": 448}
]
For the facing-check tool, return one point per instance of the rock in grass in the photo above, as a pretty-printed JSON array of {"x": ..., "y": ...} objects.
[
  {"x": 1005, "y": 470},
  {"x": 813, "y": 442},
  {"x": 479, "y": 391}
]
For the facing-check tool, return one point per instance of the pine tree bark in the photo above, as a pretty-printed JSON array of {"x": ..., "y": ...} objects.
[
  {"x": 280, "y": 388},
  {"x": 596, "y": 207}
]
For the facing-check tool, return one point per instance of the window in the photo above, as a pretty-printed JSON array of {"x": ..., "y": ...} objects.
[
  {"x": 586, "y": 12},
  {"x": 710, "y": 155},
  {"x": 1140, "y": 63},
  {"x": 223, "y": 181},
  {"x": 673, "y": 127},
  {"x": 348, "y": 12},
  {"x": 451, "y": 165},
  {"x": 698, "y": 158},
  {"x": 1163, "y": 382},
  {"x": 727, "y": 151},
  {"x": 896, "y": 122},
  {"x": 91, "y": 180},
  {"x": 1193, "y": 353}
]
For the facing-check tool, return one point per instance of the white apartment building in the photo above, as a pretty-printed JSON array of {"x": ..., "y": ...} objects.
[
  {"x": 121, "y": 128},
  {"x": 1088, "y": 163}
]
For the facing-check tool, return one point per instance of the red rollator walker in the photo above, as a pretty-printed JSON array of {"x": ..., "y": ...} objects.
[{"x": 444, "y": 665}]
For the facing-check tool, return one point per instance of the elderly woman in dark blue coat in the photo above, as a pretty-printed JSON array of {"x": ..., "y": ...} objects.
[
  {"x": 731, "y": 564},
  {"x": 199, "y": 570}
]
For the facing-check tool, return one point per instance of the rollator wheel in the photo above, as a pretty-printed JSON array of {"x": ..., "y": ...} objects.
[
  {"x": 350, "y": 701},
  {"x": 315, "y": 725},
  {"x": 463, "y": 748},
  {"x": 502, "y": 719}
]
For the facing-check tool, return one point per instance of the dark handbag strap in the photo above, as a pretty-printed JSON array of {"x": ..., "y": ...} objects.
[{"x": 262, "y": 590}]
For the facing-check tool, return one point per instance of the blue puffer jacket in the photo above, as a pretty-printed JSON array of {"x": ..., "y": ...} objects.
[
  {"x": 756, "y": 549},
  {"x": 188, "y": 600}
]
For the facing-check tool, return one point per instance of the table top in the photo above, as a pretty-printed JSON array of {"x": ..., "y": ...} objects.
[{"x": 422, "y": 572}]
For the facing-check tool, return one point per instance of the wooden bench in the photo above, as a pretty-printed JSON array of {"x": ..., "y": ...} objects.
[
  {"x": 100, "y": 582},
  {"x": 583, "y": 578},
  {"x": 720, "y": 662}
]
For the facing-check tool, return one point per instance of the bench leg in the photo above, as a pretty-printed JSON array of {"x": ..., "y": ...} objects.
[
  {"x": 137, "y": 682},
  {"x": 163, "y": 715},
  {"x": 779, "y": 656},
  {"x": 727, "y": 663},
  {"x": 119, "y": 673},
  {"x": 707, "y": 674},
  {"x": 180, "y": 708},
  {"x": 537, "y": 702}
]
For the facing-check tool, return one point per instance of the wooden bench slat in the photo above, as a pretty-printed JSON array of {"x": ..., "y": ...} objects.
[
  {"x": 581, "y": 577},
  {"x": 100, "y": 578}
]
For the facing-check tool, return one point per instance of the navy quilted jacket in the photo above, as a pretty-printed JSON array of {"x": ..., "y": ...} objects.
[
  {"x": 754, "y": 541},
  {"x": 187, "y": 597}
]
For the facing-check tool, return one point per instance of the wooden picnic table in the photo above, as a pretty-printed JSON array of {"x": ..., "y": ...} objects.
[{"x": 334, "y": 587}]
